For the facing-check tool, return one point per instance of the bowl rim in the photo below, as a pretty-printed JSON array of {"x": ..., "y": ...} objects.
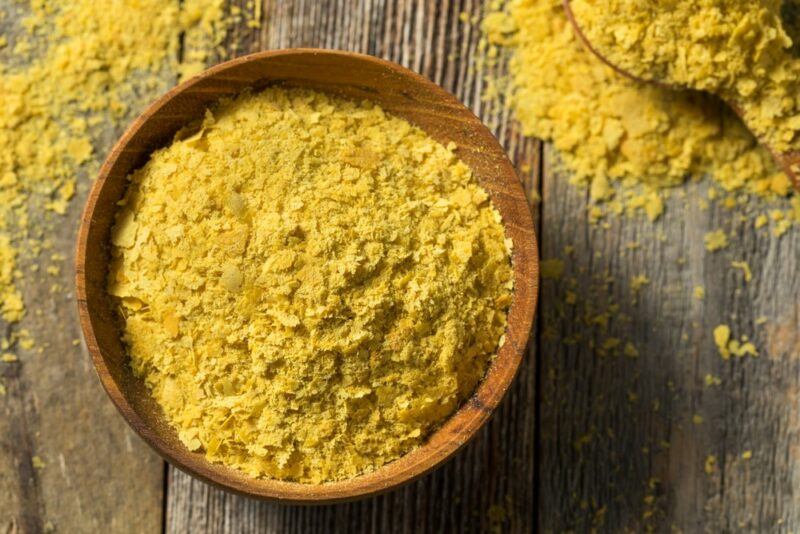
[{"x": 465, "y": 422}]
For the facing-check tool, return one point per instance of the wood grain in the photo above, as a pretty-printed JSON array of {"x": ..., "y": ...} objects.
[
  {"x": 97, "y": 476},
  {"x": 56, "y": 410},
  {"x": 621, "y": 449},
  {"x": 586, "y": 475}
]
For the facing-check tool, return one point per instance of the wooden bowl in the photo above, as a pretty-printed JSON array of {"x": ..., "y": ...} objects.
[{"x": 358, "y": 77}]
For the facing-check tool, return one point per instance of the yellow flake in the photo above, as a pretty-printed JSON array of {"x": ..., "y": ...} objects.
[
  {"x": 781, "y": 227},
  {"x": 745, "y": 268},
  {"x": 638, "y": 282},
  {"x": 612, "y": 133},
  {"x": 722, "y": 335},
  {"x": 79, "y": 149},
  {"x": 716, "y": 240},
  {"x": 742, "y": 348},
  {"x": 761, "y": 221},
  {"x": 697, "y": 419},
  {"x": 37, "y": 462},
  {"x": 746, "y": 455},
  {"x": 302, "y": 302},
  {"x": 171, "y": 324},
  {"x": 24, "y": 339},
  {"x": 630, "y": 351},
  {"x": 710, "y": 464},
  {"x": 712, "y": 380},
  {"x": 8, "y": 358},
  {"x": 699, "y": 292},
  {"x": 600, "y": 189}
]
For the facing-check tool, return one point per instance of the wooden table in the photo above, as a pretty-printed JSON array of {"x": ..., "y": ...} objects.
[{"x": 583, "y": 440}]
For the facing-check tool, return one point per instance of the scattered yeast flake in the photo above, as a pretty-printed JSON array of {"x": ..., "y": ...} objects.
[
  {"x": 630, "y": 351},
  {"x": 638, "y": 282},
  {"x": 722, "y": 336},
  {"x": 728, "y": 346},
  {"x": 745, "y": 268},
  {"x": 710, "y": 464},
  {"x": 699, "y": 292},
  {"x": 711, "y": 380},
  {"x": 716, "y": 240},
  {"x": 77, "y": 66}
]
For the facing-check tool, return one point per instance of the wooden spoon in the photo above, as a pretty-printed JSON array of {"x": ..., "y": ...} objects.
[
  {"x": 788, "y": 161},
  {"x": 400, "y": 92}
]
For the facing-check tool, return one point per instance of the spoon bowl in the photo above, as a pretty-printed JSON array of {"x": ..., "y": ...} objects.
[
  {"x": 788, "y": 161},
  {"x": 355, "y": 76}
]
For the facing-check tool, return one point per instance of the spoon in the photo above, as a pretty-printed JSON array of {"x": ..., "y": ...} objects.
[{"x": 789, "y": 161}]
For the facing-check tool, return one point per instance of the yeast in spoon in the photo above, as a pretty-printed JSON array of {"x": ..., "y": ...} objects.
[{"x": 737, "y": 49}]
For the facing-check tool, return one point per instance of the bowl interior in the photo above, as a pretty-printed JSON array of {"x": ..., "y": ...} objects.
[{"x": 397, "y": 90}]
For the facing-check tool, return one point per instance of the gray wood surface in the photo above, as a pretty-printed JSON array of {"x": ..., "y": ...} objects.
[
  {"x": 68, "y": 462},
  {"x": 96, "y": 475},
  {"x": 620, "y": 449},
  {"x": 591, "y": 439}
]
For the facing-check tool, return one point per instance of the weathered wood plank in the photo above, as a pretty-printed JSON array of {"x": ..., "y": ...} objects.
[
  {"x": 496, "y": 472},
  {"x": 97, "y": 475},
  {"x": 620, "y": 450},
  {"x": 67, "y": 460}
]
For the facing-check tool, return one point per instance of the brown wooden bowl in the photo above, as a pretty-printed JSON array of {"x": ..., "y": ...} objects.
[{"x": 397, "y": 90}]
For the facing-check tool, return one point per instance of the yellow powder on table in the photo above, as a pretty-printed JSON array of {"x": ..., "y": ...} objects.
[
  {"x": 11, "y": 305},
  {"x": 738, "y": 49},
  {"x": 745, "y": 268},
  {"x": 309, "y": 285},
  {"x": 728, "y": 346},
  {"x": 716, "y": 240},
  {"x": 609, "y": 129},
  {"x": 71, "y": 74}
]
